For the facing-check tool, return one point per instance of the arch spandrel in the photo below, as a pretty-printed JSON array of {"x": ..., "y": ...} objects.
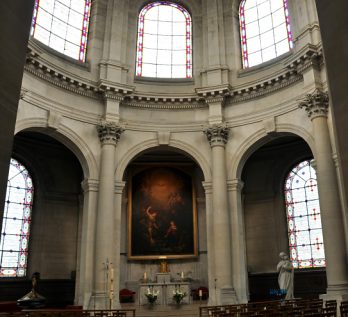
[
  {"x": 249, "y": 145},
  {"x": 69, "y": 138},
  {"x": 131, "y": 153}
]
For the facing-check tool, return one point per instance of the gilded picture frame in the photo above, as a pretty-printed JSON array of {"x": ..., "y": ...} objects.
[{"x": 162, "y": 213}]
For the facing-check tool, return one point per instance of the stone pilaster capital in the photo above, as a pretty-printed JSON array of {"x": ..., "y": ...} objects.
[
  {"x": 90, "y": 185},
  {"x": 235, "y": 185},
  {"x": 119, "y": 186},
  {"x": 217, "y": 134},
  {"x": 316, "y": 104},
  {"x": 109, "y": 132},
  {"x": 208, "y": 187}
]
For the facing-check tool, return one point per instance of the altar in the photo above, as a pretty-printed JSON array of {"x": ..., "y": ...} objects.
[
  {"x": 165, "y": 292},
  {"x": 165, "y": 289}
]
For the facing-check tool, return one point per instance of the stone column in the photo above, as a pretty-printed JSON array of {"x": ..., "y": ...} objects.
[
  {"x": 210, "y": 241},
  {"x": 109, "y": 134},
  {"x": 217, "y": 136},
  {"x": 85, "y": 284},
  {"x": 316, "y": 106},
  {"x": 116, "y": 259},
  {"x": 239, "y": 260}
]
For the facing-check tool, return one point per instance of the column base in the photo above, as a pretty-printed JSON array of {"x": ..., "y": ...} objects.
[
  {"x": 102, "y": 301},
  {"x": 336, "y": 292},
  {"x": 228, "y": 296}
]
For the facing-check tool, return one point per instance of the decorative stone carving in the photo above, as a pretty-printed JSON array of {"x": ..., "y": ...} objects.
[
  {"x": 316, "y": 104},
  {"x": 217, "y": 134},
  {"x": 109, "y": 132}
]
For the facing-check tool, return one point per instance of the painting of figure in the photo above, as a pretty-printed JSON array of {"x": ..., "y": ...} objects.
[{"x": 161, "y": 214}]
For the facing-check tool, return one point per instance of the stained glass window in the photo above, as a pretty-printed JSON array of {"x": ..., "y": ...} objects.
[
  {"x": 303, "y": 214},
  {"x": 164, "y": 41},
  {"x": 264, "y": 29},
  {"x": 16, "y": 222},
  {"x": 62, "y": 25}
]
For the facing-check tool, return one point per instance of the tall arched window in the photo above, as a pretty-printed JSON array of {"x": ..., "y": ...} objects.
[
  {"x": 164, "y": 41},
  {"x": 303, "y": 214},
  {"x": 264, "y": 29},
  {"x": 62, "y": 25},
  {"x": 16, "y": 222}
]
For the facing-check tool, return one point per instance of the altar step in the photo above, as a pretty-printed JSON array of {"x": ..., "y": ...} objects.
[{"x": 185, "y": 310}]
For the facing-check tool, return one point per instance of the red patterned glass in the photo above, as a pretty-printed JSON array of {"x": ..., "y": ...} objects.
[
  {"x": 62, "y": 25},
  {"x": 303, "y": 215},
  {"x": 16, "y": 222},
  {"x": 164, "y": 48},
  {"x": 264, "y": 30}
]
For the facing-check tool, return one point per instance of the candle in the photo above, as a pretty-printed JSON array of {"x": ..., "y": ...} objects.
[
  {"x": 200, "y": 293},
  {"x": 112, "y": 274},
  {"x": 111, "y": 287},
  {"x": 145, "y": 276},
  {"x": 182, "y": 274}
]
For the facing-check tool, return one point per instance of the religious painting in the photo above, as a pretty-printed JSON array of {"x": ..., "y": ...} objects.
[{"x": 162, "y": 220}]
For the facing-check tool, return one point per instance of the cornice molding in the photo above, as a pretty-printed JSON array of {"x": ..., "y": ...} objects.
[
  {"x": 55, "y": 79},
  {"x": 292, "y": 72},
  {"x": 264, "y": 88}
]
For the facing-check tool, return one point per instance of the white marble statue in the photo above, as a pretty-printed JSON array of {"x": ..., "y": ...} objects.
[{"x": 286, "y": 276}]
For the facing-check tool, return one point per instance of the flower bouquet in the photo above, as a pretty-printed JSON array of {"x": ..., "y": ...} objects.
[
  {"x": 151, "y": 295},
  {"x": 178, "y": 295}
]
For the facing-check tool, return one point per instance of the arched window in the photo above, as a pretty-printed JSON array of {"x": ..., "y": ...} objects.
[
  {"x": 62, "y": 25},
  {"x": 16, "y": 222},
  {"x": 264, "y": 29},
  {"x": 164, "y": 41},
  {"x": 303, "y": 214}
]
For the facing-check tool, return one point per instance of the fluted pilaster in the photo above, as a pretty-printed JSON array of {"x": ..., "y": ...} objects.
[
  {"x": 316, "y": 105},
  {"x": 217, "y": 136},
  {"x": 109, "y": 134}
]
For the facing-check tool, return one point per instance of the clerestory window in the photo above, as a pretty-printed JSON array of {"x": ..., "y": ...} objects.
[
  {"x": 62, "y": 25},
  {"x": 164, "y": 48},
  {"x": 264, "y": 29},
  {"x": 15, "y": 230},
  {"x": 303, "y": 215}
]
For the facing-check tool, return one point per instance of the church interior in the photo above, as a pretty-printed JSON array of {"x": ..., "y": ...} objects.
[{"x": 174, "y": 155}]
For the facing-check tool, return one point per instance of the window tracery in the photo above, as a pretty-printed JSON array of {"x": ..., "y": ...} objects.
[
  {"x": 16, "y": 222},
  {"x": 164, "y": 47},
  {"x": 303, "y": 215},
  {"x": 62, "y": 25},
  {"x": 264, "y": 29}
]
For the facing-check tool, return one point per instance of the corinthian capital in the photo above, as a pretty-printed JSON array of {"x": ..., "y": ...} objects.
[
  {"x": 316, "y": 104},
  {"x": 109, "y": 132},
  {"x": 217, "y": 134}
]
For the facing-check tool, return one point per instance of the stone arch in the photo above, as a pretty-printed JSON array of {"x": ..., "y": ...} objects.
[
  {"x": 190, "y": 5},
  {"x": 187, "y": 148},
  {"x": 67, "y": 137},
  {"x": 259, "y": 138}
]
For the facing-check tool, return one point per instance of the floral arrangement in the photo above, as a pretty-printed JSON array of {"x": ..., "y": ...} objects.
[
  {"x": 151, "y": 295},
  {"x": 178, "y": 295}
]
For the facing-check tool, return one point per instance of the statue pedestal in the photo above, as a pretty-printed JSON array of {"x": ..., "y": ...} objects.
[{"x": 163, "y": 278}]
